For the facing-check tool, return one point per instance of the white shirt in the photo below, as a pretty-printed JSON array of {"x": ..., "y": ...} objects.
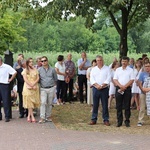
[
  {"x": 5, "y": 71},
  {"x": 100, "y": 76},
  {"x": 87, "y": 64},
  {"x": 62, "y": 69},
  {"x": 124, "y": 75}
]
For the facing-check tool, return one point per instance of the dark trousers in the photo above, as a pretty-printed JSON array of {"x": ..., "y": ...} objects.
[
  {"x": 82, "y": 80},
  {"x": 123, "y": 101},
  {"x": 70, "y": 86},
  {"x": 103, "y": 96},
  {"x": 5, "y": 97},
  {"x": 60, "y": 89}
]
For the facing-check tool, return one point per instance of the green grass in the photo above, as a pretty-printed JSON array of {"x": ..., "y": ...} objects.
[{"x": 77, "y": 116}]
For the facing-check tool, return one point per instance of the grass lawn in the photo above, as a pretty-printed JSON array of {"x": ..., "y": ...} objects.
[{"x": 77, "y": 116}]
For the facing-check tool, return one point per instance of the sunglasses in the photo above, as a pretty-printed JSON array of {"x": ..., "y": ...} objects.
[{"x": 43, "y": 60}]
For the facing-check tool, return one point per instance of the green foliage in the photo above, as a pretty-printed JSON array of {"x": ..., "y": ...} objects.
[{"x": 10, "y": 31}]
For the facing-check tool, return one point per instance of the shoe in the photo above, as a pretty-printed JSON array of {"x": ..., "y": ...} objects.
[
  {"x": 21, "y": 116},
  {"x": 92, "y": 123},
  {"x": 49, "y": 120},
  {"x": 127, "y": 124},
  {"x": 7, "y": 120},
  {"x": 140, "y": 124},
  {"x": 106, "y": 123},
  {"x": 0, "y": 118},
  {"x": 119, "y": 125},
  {"x": 41, "y": 121}
]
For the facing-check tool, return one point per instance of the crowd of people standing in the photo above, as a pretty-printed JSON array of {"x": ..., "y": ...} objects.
[{"x": 127, "y": 81}]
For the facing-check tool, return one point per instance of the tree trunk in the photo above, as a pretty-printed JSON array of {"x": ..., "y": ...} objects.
[{"x": 123, "y": 47}]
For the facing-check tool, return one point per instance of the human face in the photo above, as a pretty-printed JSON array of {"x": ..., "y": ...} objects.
[
  {"x": 83, "y": 55},
  {"x": 69, "y": 57},
  {"x": 44, "y": 62},
  {"x": 31, "y": 63},
  {"x": 99, "y": 61},
  {"x": 147, "y": 67},
  {"x": 124, "y": 63}
]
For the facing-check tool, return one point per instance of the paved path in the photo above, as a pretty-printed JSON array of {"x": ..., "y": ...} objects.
[{"x": 18, "y": 134}]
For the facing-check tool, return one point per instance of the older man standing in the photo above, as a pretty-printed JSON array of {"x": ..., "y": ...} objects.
[
  {"x": 48, "y": 78},
  {"x": 70, "y": 71},
  {"x": 123, "y": 79},
  {"x": 100, "y": 78},
  {"x": 5, "y": 71}
]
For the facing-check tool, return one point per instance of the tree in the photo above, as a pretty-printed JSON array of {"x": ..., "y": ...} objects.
[
  {"x": 131, "y": 12},
  {"x": 10, "y": 31}
]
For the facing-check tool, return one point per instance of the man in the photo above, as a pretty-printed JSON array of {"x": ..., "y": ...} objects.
[
  {"x": 38, "y": 63},
  {"x": 70, "y": 71},
  {"x": 142, "y": 100},
  {"x": 5, "y": 71},
  {"x": 123, "y": 79},
  {"x": 83, "y": 65},
  {"x": 48, "y": 80},
  {"x": 19, "y": 59},
  {"x": 20, "y": 83},
  {"x": 100, "y": 78}
]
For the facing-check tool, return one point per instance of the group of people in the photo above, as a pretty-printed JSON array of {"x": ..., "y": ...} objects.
[{"x": 37, "y": 86}]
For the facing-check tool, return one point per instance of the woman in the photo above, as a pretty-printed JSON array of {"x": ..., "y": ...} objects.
[
  {"x": 60, "y": 70},
  {"x": 31, "y": 98},
  {"x": 135, "y": 88},
  {"x": 89, "y": 89},
  {"x": 112, "y": 88}
]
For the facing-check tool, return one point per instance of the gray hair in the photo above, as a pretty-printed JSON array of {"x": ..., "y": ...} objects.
[{"x": 99, "y": 56}]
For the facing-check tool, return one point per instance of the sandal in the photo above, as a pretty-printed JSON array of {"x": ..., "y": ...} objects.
[{"x": 28, "y": 120}]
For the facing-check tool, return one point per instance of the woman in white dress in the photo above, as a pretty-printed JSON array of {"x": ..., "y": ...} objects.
[
  {"x": 89, "y": 89},
  {"x": 135, "y": 88},
  {"x": 112, "y": 88}
]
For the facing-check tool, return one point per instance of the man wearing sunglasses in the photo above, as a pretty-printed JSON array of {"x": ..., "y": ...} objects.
[{"x": 48, "y": 80}]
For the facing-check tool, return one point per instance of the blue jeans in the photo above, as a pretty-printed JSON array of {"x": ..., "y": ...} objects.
[{"x": 103, "y": 96}]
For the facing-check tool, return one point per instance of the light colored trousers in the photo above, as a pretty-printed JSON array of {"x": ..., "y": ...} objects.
[
  {"x": 142, "y": 101},
  {"x": 47, "y": 96}
]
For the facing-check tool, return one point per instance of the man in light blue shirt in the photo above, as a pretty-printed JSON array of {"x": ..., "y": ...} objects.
[{"x": 83, "y": 65}]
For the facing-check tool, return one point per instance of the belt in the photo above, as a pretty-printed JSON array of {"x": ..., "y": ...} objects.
[{"x": 48, "y": 87}]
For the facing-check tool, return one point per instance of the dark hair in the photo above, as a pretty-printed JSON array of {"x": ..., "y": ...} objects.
[
  {"x": 144, "y": 55},
  {"x": 125, "y": 58},
  {"x": 114, "y": 64},
  {"x": 44, "y": 57},
  {"x": 21, "y": 55},
  {"x": 94, "y": 60},
  {"x": 60, "y": 57}
]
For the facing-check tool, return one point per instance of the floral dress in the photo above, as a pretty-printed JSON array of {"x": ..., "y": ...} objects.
[{"x": 31, "y": 97}]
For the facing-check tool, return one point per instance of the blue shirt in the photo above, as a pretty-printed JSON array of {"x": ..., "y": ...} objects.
[{"x": 143, "y": 76}]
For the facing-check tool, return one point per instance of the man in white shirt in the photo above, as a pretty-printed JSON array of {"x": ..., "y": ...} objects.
[
  {"x": 100, "y": 78},
  {"x": 5, "y": 71},
  {"x": 123, "y": 79},
  {"x": 83, "y": 65}
]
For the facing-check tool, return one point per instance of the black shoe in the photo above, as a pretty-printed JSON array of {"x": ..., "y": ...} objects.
[
  {"x": 119, "y": 125},
  {"x": 21, "y": 116},
  {"x": 0, "y": 118},
  {"x": 127, "y": 124},
  {"x": 7, "y": 120}
]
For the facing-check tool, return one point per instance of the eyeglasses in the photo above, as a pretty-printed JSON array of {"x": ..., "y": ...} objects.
[{"x": 43, "y": 60}]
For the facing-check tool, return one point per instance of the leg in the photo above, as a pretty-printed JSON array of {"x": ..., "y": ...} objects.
[
  {"x": 119, "y": 104},
  {"x": 50, "y": 95},
  {"x": 96, "y": 97},
  {"x": 65, "y": 92},
  {"x": 142, "y": 102},
  {"x": 85, "y": 83},
  {"x": 104, "y": 101},
  {"x": 21, "y": 109},
  {"x": 43, "y": 103},
  {"x": 71, "y": 90},
  {"x": 127, "y": 102},
  {"x": 80, "y": 83}
]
